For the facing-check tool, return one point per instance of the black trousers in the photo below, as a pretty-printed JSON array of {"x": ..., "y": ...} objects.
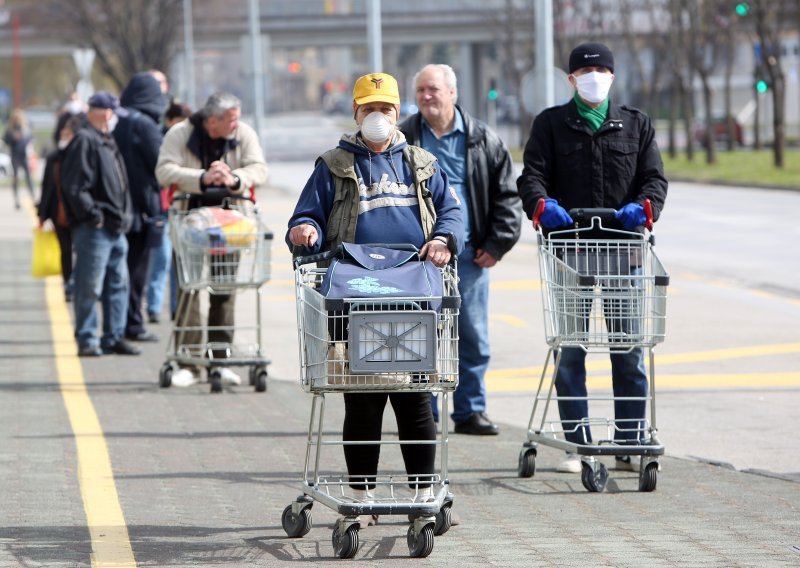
[
  {"x": 64, "y": 236},
  {"x": 363, "y": 420},
  {"x": 138, "y": 269}
]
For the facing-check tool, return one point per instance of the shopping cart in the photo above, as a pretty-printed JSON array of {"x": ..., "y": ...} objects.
[
  {"x": 603, "y": 291},
  {"x": 392, "y": 342},
  {"x": 218, "y": 259}
]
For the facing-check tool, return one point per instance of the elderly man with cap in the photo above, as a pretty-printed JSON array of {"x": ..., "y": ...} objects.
[
  {"x": 374, "y": 188},
  {"x": 98, "y": 204},
  {"x": 591, "y": 152}
]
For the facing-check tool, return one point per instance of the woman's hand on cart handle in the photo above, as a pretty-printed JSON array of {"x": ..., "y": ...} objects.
[{"x": 551, "y": 215}]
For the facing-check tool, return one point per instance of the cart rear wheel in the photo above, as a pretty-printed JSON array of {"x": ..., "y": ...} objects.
[
  {"x": 420, "y": 545},
  {"x": 165, "y": 376},
  {"x": 345, "y": 545},
  {"x": 252, "y": 375},
  {"x": 648, "y": 477},
  {"x": 296, "y": 525},
  {"x": 594, "y": 481},
  {"x": 527, "y": 462},
  {"x": 260, "y": 381},
  {"x": 444, "y": 520},
  {"x": 216, "y": 381}
]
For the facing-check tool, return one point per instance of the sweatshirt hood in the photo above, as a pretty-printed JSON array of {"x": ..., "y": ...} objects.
[
  {"x": 355, "y": 144},
  {"x": 143, "y": 93}
]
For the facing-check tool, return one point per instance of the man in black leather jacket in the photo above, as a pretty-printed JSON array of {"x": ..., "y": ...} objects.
[
  {"x": 592, "y": 153},
  {"x": 481, "y": 174}
]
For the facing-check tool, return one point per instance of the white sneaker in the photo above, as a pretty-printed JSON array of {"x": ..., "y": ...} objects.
[
  {"x": 630, "y": 463},
  {"x": 229, "y": 377},
  {"x": 571, "y": 464},
  {"x": 183, "y": 378},
  {"x": 424, "y": 495}
]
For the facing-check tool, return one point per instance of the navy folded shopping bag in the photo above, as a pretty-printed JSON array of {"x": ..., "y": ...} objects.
[{"x": 365, "y": 271}]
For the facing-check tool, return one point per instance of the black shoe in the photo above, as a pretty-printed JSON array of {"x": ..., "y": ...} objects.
[
  {"x": 153, "y": 317},
  {"x": 90, "y": 351},
  {"x": 144, "y": 337},
  {"x": 477, "y": 424},
  {"x": 122, "y": 347}
]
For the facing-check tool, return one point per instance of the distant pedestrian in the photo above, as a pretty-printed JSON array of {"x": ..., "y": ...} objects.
[
  {"x": 138, "y": 136},
  {"x": 51, "y": 204},
  {"x": 95, "y": 187},
  {"x": 213, "y": 149},
  {"x": 479, "y": 169},
  {"x": 590, "y": 152},
  {"x": 161, "y": 256},
  {"x": 18, "y": 139}
]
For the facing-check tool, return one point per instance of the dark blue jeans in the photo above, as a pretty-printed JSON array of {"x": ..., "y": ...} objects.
[{"x": 101, "y": 272}]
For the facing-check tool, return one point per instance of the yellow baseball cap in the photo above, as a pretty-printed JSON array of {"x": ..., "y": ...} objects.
[{"x": 376, "y": 87}]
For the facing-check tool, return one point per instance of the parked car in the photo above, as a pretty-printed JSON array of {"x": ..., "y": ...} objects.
[
  {"x": 5, "y": 165},
  {"x": 719, "y": 126}
]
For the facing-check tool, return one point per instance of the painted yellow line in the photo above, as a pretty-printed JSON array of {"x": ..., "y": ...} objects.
[
  {"x": 507, "y": 319},
  {"x": 528, "y": 284},
  {"x": 111, "y": 544},
  {"x": 694, "y": 381}
]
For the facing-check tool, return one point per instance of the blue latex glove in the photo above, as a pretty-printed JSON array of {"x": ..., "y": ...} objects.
[
  {"x": 554, "y": 216},
  {"x": 631, "y": 216}
]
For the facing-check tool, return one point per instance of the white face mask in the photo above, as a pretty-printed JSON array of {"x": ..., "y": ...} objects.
[
  {"x": 376, "y": 127},
  {"x": 594, "y": 86},
  {"x": 63, "y": 144},
  {"x": 112, "y": 122}
]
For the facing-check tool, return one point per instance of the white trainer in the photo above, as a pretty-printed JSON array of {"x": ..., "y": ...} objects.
[
  {"x": 571, "y": 464},
  {"x": 183, "y": 378},
  {"x": 229, "y": 377}
]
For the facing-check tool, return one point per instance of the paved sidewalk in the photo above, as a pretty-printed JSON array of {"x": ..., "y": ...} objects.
[{"x": 202, "y": 480}]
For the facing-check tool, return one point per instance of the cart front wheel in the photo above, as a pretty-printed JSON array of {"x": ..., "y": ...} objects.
[
  {"x": 594, "y": 480},
  {"x": 215, "y": 377},
  {"x": 444, "y": 520},
  {"x": 648, "y": 477},
  {"x": 260, "y": 380},
  {"x": 296, "y": 525},
  {"x": 527, "y": 462},
  {"x": 345, "y": 545},
  {"x": 420, "y": 545},
  {"x": 165, "y": 376}
]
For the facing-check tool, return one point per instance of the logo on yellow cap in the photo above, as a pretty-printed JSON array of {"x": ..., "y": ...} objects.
[{"x": 376, "y": 87}]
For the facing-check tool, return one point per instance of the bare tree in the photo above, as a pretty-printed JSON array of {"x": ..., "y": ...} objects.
[
  {"x": 682, "y": 75},
  {"x": 768, "y": 17},
  {"x": 127, "y": 36}
]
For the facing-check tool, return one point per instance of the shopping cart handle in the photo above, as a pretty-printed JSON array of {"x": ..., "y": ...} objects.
[
  {"x": 300, "y": 260},
  {"x": 583, "y": 215},
  {"x": 648, "y": 213}
]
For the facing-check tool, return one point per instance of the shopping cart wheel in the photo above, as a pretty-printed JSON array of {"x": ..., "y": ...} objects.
[
  {"x": 648, "y": 477},
  {"x": 594, "y": 480},
  {"x": 258, "y": 376},
  {"x": 345, "y": 544},
  {"x": 165, "y": 376},
  {"x": 296, "y": 525},
  {"x": 420, "y": 544},
  {"x": 444, "y": 520},
  {"x": 215, "y": 377},
  {"x": 527, "y": 462}
]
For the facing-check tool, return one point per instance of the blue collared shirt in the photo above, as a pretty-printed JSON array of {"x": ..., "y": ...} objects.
[{"x": 451, "y": 151}]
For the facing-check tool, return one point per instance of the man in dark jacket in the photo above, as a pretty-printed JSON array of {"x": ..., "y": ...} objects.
[
  {"x": 98, "y": 206},
  {"x": 138, "y": 136},
  {"x": 590, "y": 152},
  {"x": 480, "y": 171}
]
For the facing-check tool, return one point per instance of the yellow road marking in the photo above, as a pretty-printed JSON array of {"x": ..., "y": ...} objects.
[
  {"x": 512, "y": 379},
  {"x": 110, "y": 540},
  {"x": 513, "y": 321},
  {"x": 528, "y": 284}
]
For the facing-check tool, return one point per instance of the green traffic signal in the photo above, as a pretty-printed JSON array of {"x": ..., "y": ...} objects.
[
  {"x": 761, "y": 86},
  {"x": 492, "y": 95},
  {"x": 742, "y": 8}
]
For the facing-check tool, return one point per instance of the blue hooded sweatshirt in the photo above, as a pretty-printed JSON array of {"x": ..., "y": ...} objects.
[{"x": 388, "y": 206}]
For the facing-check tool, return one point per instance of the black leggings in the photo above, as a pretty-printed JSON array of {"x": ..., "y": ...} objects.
[{"x": 363, "y": 420}]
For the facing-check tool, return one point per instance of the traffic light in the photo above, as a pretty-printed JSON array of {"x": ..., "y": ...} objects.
[
  {"x": 492, "y": 93},
  {"x": 742, "y": 8},
  {"x": 762, "y": 86}
]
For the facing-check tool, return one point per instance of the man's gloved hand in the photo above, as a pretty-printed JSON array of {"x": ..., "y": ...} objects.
[
  {"x": 554, "y": 216},
  {"x": 631, "y": 216}
]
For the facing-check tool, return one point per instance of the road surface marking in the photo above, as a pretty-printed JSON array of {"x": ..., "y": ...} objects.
[
  {"x": 528, "y": 284},
  {"x": 111, "y": 544},
  {"x": 508, "y": 319}
]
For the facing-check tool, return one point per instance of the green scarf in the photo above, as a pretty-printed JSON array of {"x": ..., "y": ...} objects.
[{"x": 594, "y": 116}]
